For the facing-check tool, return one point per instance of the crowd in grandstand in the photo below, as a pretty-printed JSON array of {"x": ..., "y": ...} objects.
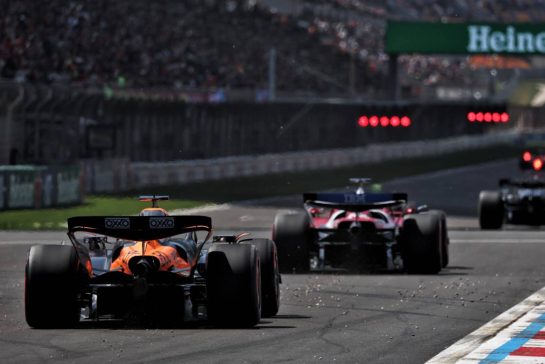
[{"x": 324, "y": 46}]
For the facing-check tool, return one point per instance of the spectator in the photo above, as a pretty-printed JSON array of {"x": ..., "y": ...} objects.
[{"x": 322, "y": 49}]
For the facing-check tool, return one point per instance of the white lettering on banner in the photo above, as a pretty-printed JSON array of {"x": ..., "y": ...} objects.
[
  {"x": 497, "y": 42},
  {"x": 478, "y": 38},
  {"x": 525, "y": 41},
  {"x": 161, "y": 222},
  {"x": 540, "y": 42},
  {"x": 67, "y": 189},
  {"x": 117, "y": 223},
  {"x": 511, "y": 39},
  {"x": 482, "y": 40},
  {"x": 21, "y": 193}
]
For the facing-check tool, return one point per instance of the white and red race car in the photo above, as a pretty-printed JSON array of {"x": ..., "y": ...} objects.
[{"x": 361, "y": 231}]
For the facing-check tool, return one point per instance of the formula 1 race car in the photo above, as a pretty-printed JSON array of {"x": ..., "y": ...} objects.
[
  {"x": 360, "y": 231},
  {"x": 518, "y": 202},
  {"x": 151, "y": 269},
  {"x": 532, "y": 158}
]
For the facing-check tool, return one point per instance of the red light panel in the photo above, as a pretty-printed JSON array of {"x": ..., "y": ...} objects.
[
  {"x": 537, "y": 164},
  {"x": 363, "y": 121},
  {"x": 405, "y": 121},
  {"x": 487, "y": 117},
  {"x": 384, "y": 121},
  {"x": 496, "y": 117},
  {"x": 526, "y": 156}
]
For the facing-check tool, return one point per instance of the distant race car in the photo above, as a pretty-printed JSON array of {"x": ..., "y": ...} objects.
[
  {"x": 532, "y": 158},
  {"x": 519, "y": 202},
  {"x": 361, "y": 230},
  {"x": 151, "y": 268}
]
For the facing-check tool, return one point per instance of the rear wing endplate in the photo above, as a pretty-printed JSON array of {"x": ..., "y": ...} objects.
[
  {"x": 354, "y": 201},
  {"x": 140, "y": 228}
]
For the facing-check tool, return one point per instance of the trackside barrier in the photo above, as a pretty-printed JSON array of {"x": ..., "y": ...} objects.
[
  {"x": 144, "y": 174},
  {"x": 58, "y": 124},
  {"x": 109, "y": 175},
  {"x": 35, "y": 187},
  {"x": 3, "y": 190}
]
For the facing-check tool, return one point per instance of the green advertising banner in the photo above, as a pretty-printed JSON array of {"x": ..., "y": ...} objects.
[{"x": 465, "y": 38}]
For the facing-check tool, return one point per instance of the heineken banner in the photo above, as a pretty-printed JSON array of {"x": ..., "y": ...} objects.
[{"x": 465, "y": 38}]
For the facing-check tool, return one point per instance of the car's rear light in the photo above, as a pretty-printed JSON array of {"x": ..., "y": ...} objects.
[
  {"x": 527, "y": 156},
  {"x": 537, "y": 164}
]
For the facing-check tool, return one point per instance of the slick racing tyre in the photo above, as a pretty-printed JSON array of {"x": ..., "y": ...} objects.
[
  {"x": 270, "y": 277},
  {"x": 445, "y": 241},
  {"x": 291, "y": 233},
  {"x": 421, "y": 242},
  {"x": 233, "y": 285},
  {"x": 52, "y": 281},
  {"x": 491, "y": 211}
]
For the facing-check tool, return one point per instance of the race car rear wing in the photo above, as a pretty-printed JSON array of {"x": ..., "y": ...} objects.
[
  {"x": 354, "y": 201},
  {"x": 140, "y": 228}
]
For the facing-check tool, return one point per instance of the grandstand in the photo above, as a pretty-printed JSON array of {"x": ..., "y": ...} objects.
[
  {"x": 325, "y": 47},
  {"x": 88, "y": 78}
]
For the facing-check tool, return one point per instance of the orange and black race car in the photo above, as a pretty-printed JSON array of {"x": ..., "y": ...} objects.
[{"x": 152, "y": 269}]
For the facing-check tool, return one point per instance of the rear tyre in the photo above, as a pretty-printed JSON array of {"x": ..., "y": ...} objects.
[
  {"x": 491, "y": 212},
  {"x": 445, "y": 241},
  {"x": 422, "y": 243},
  {"x": 52, "y": 282},
  {"x": 270, "y": 277},
  {"x": 291, "y": 233},
  {"x": 233, "y": 285}
]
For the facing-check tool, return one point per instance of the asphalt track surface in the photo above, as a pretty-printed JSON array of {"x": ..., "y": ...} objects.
[{"x": 344, "y": 318}]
